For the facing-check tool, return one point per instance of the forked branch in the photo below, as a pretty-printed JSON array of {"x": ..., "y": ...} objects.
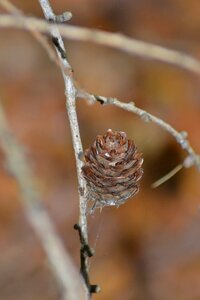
[{"x": 181, "y": 137}]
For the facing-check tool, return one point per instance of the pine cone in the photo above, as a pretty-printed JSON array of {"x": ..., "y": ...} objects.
[{"x": 112, "y": 169}]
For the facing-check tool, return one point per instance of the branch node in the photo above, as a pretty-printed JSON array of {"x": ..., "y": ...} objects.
[
  {"x": 131, "y": 103},
  {"x": 58, "y": 47},
  {"x": 89, "y": 252},
  {"x": 94, "y": 289},
  {"x": 145, "y": 117},
  {"x": 64, "y": 17},
  {"x": 184, "y": 134},
  {"x": 181, "y": 139},
  {"x": 81, "y": 156},
  {"x": 85, "y": 252},
  {"x": 191, "y": 160},
  {"x": 85, "y": 248},
  {"x": 100, "y": 99}
]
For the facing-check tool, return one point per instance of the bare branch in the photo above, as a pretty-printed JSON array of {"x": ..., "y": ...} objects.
[
  {"x": 113, "y": 40},
  {"x": 70, "y": 93},
  {"x": 181, "y": 137},
  {"x": 68, "y": 279}
]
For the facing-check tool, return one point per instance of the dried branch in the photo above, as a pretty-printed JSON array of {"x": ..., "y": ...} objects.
[
  {"x": 181, "y": 137},
  {"x": 70, "y": 93},
  {"x": 113, "y": 40},
  {"x": 68, "y": 279}
]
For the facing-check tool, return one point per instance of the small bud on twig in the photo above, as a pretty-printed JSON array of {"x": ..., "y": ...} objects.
[{"x": 64, "y": 17}]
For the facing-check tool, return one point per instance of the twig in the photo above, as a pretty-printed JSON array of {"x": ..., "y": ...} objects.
[
  {"x": 62, "y": 267},
  {"x": 181, "y": 137},
  {"x": 70, "y": 93},
  {"x": 85, "y": 252},
  {"x": 166, "y": 177},
  {"x": 113, "y": 40}
]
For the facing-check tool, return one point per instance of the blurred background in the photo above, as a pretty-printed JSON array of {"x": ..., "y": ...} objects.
[{"x": 149, "y": 248}]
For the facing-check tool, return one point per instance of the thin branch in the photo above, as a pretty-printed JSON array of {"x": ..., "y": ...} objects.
[
  {"x": 62, "y": 267},
  {"x": 166, "y": 177},
  {"x": 181, "y": 137},
  {"x": 70, "y": 93},
  {"x": 113, "y": 40},
  {"x": 86, "y": 252}
]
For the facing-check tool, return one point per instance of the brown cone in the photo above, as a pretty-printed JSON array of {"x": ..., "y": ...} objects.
[{"x": 112, "y": 169}]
